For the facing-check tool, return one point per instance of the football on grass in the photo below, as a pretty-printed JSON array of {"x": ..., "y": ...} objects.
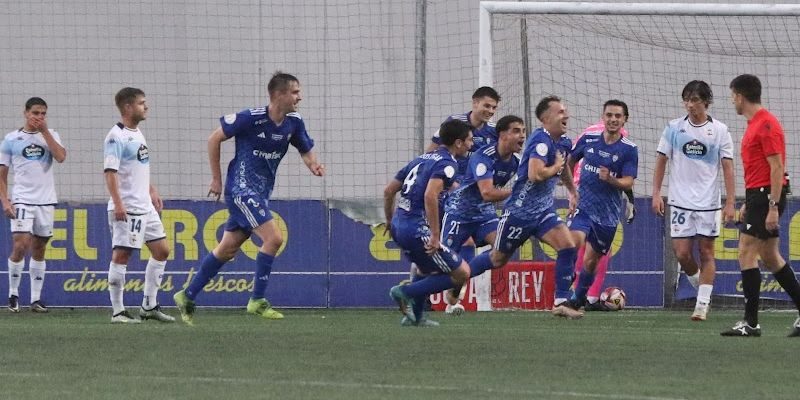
[{"x": 614, "y": 298}]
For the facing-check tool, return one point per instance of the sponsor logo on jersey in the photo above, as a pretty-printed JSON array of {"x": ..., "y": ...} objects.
[
  {"x": 695, "y": 149},
  {"x": 275, "y": 155},
  {"x": 143, "y": 154},
  {"x": 603, "y": 154},
  {"x": 33, "y": 152},
  {"x": 276, "y": 136},
  {"x": 591, "y": 150},
  {"x": 262, "y": 135},
  {"x": 259, "y": 122},
  {"x": 230, "y": 118}
]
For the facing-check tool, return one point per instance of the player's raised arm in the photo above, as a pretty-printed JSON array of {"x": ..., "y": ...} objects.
[
  {"x": 310, "y": 159},
  {"x": 538, "y": 171},
  {"x": 214, "y": 143}
]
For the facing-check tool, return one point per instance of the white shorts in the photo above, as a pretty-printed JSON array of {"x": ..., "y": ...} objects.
[
  {"x": 687, "y": 223},
  {"x": 36, "y": 220},
  {"x": 137, "y": 230}
]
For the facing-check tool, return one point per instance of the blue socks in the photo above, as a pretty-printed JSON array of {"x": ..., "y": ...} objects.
[
  {"x": 585, "y": 281},
  {"x": 467, "y": 253},
  {"x": 480, "y": 264},
  {"x": 427, "y": 285},
  {"x": 263, "y": 269},
  {"x": 209, "y": 268},
  {"x": 419, "y": 301},
  {"x": 565, "y": 265}
]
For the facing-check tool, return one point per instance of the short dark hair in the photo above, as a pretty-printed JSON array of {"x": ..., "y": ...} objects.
[
  {"x": 280, "y": 82},
  {"x": 452, "y": 130},
  {"x": 619, "y": 103},
  {"x": 505, "y": 123},
  {"x": 700, "y": 89},
  {"x": 35, "y": 101},
  {"x": 748, "y": 86},
  {"x": 544, "y": 104},
  {"x": 127, "y": 95},
  {"x": 486, "y": 91}
]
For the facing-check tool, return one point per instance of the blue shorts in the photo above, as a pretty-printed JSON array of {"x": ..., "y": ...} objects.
[
  {"x": 412, "y": 239},
  {"x": 455, "y": 233},
  {"x": 599, "y": 236},
  {"x": 247, "y": 213},
  {"x": 512, "y": 232}
]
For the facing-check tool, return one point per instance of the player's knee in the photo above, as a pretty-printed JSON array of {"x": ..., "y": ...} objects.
[
  {"x": 120, "y": 256},
  {"x": 499, "y": 258},
  {"x": 272, "y": 244},
  {"x": 461, "y": 275}
]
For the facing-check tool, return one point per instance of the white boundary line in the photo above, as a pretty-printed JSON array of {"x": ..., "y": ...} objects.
[{"x": 357, "y": 385}]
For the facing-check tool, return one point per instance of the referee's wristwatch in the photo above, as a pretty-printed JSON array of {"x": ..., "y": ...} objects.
[{"x": 773, "y": 203}]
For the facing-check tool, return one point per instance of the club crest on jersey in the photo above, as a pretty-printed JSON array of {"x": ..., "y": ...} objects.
[
  {"x": 33, "y": 152},
  {"x": 614, "y": 158},
  {"x": 143, "y": 154},
  {"x": 695, "y": 149}
]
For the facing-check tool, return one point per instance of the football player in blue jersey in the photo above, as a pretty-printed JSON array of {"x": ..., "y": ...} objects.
[
  {"x": 610, "y": 164},
  {"x": 415, "y": 226},
  {"x": 469, "y": 209},
  {"x": 484, "y": 105},
  {"x": 262, "y": 137},
  {"x": 530, "y": 211}
]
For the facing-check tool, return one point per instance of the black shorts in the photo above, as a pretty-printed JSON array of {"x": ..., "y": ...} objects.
[{"x": 757, "y": 206}]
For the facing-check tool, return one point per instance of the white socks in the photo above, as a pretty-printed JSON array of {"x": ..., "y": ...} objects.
[
  {"x": 116, "y": 286},
  {"x": 704, "y": 294},
  {"x": 153, "y": 275},
  {"x": 694, "y": 280},
  {"x": 36, "y": 271},
  {"x": 14, "y": 277}
]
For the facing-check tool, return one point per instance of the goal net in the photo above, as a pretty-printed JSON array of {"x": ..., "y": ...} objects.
[{"x": 644, "y": 54}]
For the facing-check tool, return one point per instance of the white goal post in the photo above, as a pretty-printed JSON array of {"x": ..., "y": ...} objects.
[
  {"x": 487, "y": 8},
  {"x": 644, "y": 54}
]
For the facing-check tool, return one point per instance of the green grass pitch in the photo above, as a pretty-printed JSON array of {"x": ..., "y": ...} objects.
[{"x": 365, "y": 354}]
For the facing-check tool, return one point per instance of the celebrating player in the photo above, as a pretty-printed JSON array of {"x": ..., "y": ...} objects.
[
  {"x": 262, "y": 137},
  {"x": 133, "y": 209},
  {"x": 29, "y": 151},
  {"x": 593, "y": 295},
  {"x": 695, "y": 146},
  {"x": 763, "y": 158},
  {"x": 415, "y": 227},
  {"x": 610, "y": 164},
  {"x": 530, "y": 210},
  {"x": 469, "y": 209}
]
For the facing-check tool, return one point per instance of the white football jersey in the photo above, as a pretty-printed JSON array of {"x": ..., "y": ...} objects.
[
  {"x": 695, "y": 153},
  {"x": 28, "y": 155},
  {"x": 126, "y": 152}
]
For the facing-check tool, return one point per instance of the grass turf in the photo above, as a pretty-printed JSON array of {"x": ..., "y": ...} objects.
[{"x": 365, "y": 354}]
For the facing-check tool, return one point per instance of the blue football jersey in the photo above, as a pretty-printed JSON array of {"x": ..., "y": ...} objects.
[
  {"x": 601, "y": 201},
  {"x": 482, "y": 136},
  {"x": 415, "y": 176},
  {"x": 530, "y": 198},
  {"x": 466, "y": 203},
  {"x": 260, "y": 147}
]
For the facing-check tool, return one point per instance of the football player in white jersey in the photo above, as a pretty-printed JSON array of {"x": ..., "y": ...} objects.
[
  {"x": 695, "y": 146},
  {"x": 133, "y": 209},
  {"x": 29, "y": 151}
]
